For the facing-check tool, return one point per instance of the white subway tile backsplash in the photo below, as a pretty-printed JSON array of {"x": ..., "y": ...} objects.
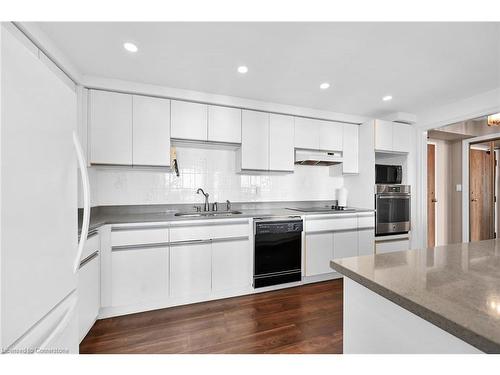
[{"x": 215, "y": 172}]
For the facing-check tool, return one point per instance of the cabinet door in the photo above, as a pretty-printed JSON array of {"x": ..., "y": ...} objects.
[
  {"x": 366, "y": 245},
  {"x": 401, "y": 135},
  {"x": 88, "y": 296},
  {"x": 110, "y": 128},
  {"x": 189, "y": 120},
  {"x": 345, "y": 244},
  {"x": 231, "y": 265},
  {"x": 281, "y": 143},
  {"x": 151, "y": 131},
  {"x": 350, "y": 149},
  {"x": 319, "y": 253},
  {"x": 383, "y": 135},
  {"x": 307, "y": 133},
  {"x": 255, "y": 140},
  {"x": 330, "y": 136},
  {"x": 190, "y": 269},
  {"x": 224, "y": 124},
  {"x": 392, "y": 246},
  {"x": 139, "y": 275}
]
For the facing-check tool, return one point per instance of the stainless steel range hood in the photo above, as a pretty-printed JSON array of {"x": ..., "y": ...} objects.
[{"x": 324, "y": 158}]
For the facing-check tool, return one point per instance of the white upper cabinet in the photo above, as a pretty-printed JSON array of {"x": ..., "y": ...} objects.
[
  {"x": 401, "y": 136},
  {"x": 254, "y": 140},
  {"x": 151, "y": 131},
  {"x": 318, "y": 134},
  {"x": 330, "y": 136},
  {"x": 307, "y": 133},
  {"x": 189, "y": 120},
  {"x": 281, "y": 143},
  {"x": 392, "y": 137},
  {"x": 110, "y": 128},
  {"x": 350, "y": 147},
  {"x": 224, "y": 124}
]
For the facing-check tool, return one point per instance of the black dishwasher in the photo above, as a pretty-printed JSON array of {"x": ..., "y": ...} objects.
[{"x": 277, "y": 252}]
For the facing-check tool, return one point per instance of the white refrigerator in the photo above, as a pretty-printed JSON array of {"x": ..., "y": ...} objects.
[{"x": 39, "y": 250}]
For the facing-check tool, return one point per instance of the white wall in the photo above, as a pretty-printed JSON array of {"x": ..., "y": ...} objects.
[{"x": 215, "y": 172}]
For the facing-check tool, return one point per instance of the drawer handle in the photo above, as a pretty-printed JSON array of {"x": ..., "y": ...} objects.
[
  {"x": 140, "y": 246},
  {"x": 89, "y": 259}
]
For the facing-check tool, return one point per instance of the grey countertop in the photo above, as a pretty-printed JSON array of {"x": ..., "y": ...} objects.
[
  {"x": 144, "y": 214},
  {"x": 455, "y": 287}
]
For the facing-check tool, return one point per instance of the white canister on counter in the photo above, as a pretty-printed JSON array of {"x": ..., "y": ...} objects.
[{"x": 342, "y": 196}]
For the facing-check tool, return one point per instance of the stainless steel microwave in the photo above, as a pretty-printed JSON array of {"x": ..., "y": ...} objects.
[{"x": 388, "y": 174}]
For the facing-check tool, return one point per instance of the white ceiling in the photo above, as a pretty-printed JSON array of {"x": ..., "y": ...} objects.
[{"x": 420, "y": 64}]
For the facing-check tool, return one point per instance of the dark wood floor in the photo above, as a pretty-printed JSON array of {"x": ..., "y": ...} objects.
[{"x": 305, "y": 319}]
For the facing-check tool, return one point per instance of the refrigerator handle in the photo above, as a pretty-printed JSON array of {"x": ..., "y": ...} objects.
[{"x": 86, "y": 201}]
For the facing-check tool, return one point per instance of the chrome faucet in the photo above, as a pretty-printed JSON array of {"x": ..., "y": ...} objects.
[{"x": 207, "y": 206}]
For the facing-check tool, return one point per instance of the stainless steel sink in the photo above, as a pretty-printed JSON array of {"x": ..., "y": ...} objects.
[{"x": 207, "y": 213}]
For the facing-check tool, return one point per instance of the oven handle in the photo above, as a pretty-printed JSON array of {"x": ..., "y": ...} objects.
[{"x": 402, "y": 196}]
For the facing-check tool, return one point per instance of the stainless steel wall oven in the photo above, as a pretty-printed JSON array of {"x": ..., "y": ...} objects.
[{"x": 392, "y": 209}]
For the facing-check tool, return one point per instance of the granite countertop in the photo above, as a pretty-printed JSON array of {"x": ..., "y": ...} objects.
[
  {"x": 147, "y": 214},
  {"x": 455, "y": 287}
]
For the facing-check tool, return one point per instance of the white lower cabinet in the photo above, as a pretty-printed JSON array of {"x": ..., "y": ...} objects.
[
  {"x": 393, "y": 245},
  {"x": 190, "y": 269},
  {"x": 345, "y": 244},
  {"x": 231, "y": 265},
  {"x": 139, "y": 275},
  {"x": 366, "y": 244},
  {"x": 319, "y": 253},
  {"x": 88, "y": 295}
]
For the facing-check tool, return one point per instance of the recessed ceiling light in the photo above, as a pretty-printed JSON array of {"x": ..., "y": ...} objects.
[
  {"x": 324, "y": 86},
  {"x": 131, "y": 47},
  {"x": 387, "y": 98},
  {"x": 242, "y": 69}
]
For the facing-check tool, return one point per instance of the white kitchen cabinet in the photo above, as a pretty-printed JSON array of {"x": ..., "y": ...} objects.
[
  {"x": 254, "y": 140},
  {"x": 190, "y": 269},
  {"x": 224, "y": 124},
  {"x": 318, "y": 253},
  {"x": 391, "y": 245},
  {"x": 151, "y": 131},
  {"x": 366, "y": 245},
  {"x": 350, "y": 149},
  {"x": 139, "y": 275},
  {"x": 307, "y": 133},
  {"x": 392, "y": 137},
  {"x": 189, "y": 120},
  {"x": 345, "y": 244},
  {"x": 110, "y": 128},
  {"x": 401, "y": 137},
  {"x": 281, "y": 143},
  {"x": 232, "y": 262},
  {"x": 383, "y": 135},
  {"x": 330, "y": 136},
  {"x": 88, "y": 294}
]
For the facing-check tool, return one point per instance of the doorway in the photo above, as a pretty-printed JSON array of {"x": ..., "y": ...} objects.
[{"x": 483, "y": 188}]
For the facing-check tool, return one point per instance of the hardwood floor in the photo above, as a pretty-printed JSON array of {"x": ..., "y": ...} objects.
[{"x": 305, "y": 319}]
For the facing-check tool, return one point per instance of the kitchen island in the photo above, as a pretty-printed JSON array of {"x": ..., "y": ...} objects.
[{"x": 437, "y": 300}]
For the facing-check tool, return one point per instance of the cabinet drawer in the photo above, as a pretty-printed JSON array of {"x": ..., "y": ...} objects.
[
  {"x": 92, "y": 245},
  {"x": 206, "y": 232},
  {"x": 88, "y": 296},
  {"x": 341, "y": 223},
  {"x": 125, "y": 237},
  {"x": 366, "y": 221}
]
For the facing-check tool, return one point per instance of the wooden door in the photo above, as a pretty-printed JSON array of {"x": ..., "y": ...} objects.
[
  {"x": 481, "y": 194},
  {"x": 431, "y": 195}
]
